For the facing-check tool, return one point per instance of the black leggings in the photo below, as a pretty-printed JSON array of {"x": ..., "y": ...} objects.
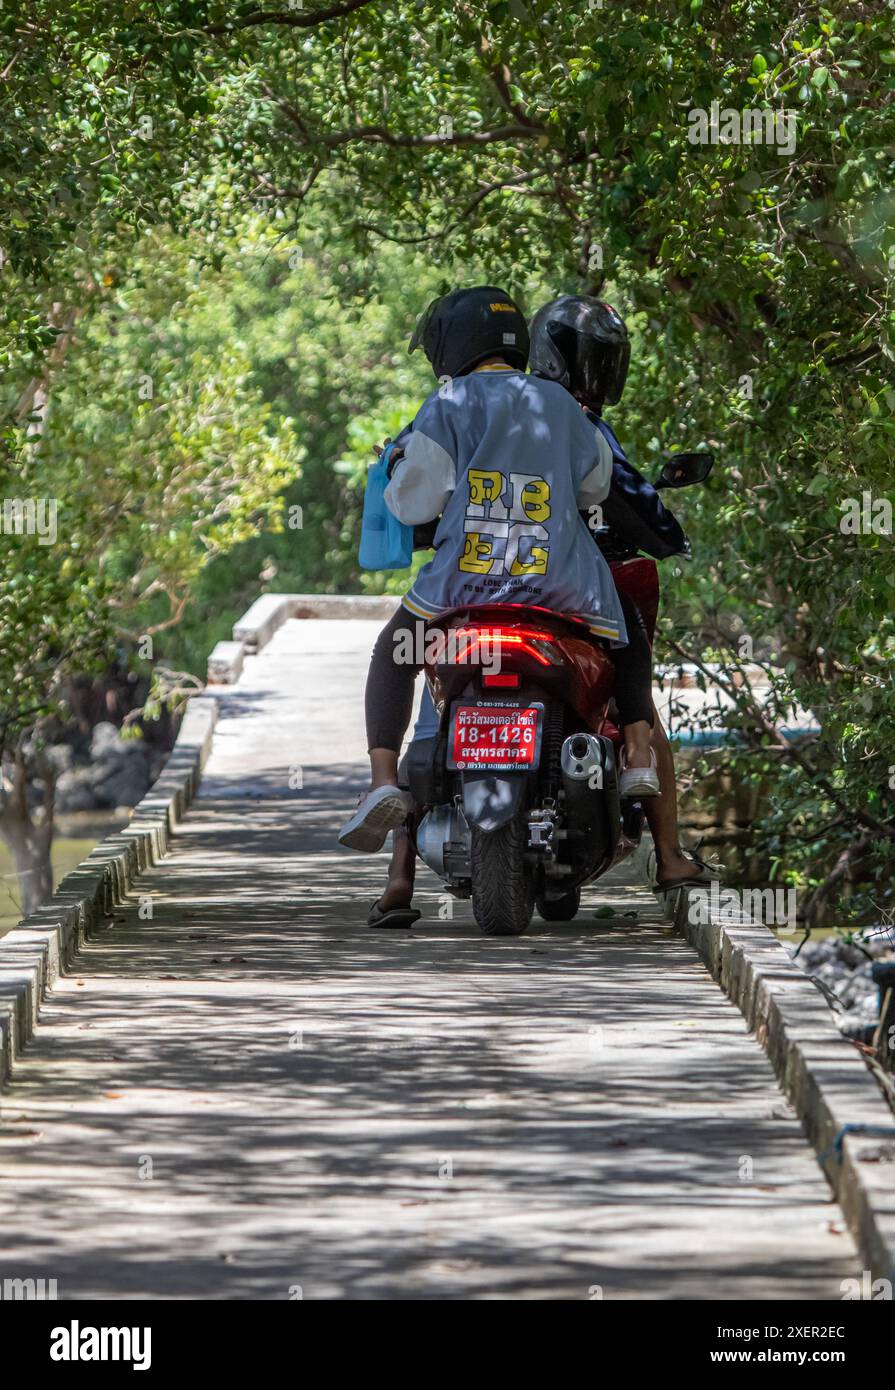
[
  {"x": 388, "y": 700},
  {"x": 633, "y": 668}
]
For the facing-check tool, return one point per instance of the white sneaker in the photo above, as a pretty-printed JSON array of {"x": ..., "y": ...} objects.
[
  {"x": 377, "y": 813},
  {"x": 636, "y": 782}
]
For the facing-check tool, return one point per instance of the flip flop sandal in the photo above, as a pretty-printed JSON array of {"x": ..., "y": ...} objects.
[
  {"x": 401, "y": 918},
  {"x": 705, "y": 875}
]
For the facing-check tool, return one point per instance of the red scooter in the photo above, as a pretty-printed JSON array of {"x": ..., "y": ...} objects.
[{"x": 520, "y": 783}]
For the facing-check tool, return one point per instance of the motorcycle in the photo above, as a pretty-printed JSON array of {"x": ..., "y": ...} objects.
[{"x": 520, "y": 783}]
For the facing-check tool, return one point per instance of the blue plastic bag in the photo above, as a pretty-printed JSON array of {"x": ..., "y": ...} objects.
[{"x": 385, "y": 542}]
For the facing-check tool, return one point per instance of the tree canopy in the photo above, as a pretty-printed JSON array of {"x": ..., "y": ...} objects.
[{"x": 245, "y": 209}]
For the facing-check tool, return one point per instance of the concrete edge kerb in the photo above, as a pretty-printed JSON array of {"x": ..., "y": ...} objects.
[
  {"x": 44, "y": 944},
  {"x": 823, "y": 1075},
  {"x": 257, "y": 626}
]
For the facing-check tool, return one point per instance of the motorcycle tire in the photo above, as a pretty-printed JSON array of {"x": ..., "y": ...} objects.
[
  {"x": 560, "y": 909},
  {"x": 502, "y": 894}
]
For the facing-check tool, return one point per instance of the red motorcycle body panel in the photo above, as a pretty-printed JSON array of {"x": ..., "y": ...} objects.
[
  {"x": 639, "y": 579},
  {"x": 585, "y": 657}
]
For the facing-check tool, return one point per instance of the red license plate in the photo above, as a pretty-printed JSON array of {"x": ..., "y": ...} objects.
[{"x": 494, "y": 737}]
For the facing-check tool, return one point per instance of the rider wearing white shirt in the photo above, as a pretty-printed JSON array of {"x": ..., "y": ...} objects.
[{"x": 508, "y": 460}]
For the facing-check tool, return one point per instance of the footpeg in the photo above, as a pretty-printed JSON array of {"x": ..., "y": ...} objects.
[{"x": 541, "y": 831}]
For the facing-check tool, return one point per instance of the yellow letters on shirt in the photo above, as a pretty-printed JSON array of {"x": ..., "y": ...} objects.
[
  {"x": 477, "y": 557},
  {"x": 485, "y": 487},
  {"x": 534, "y": 499},
  {"x": 496, "y": 529}
]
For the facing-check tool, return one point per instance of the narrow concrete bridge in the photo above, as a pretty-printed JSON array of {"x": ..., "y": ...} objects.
[{"x": 240, "y": 1091}]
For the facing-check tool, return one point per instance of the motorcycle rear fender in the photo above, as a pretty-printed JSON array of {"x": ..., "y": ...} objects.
[{"x": 492, "y": 799}]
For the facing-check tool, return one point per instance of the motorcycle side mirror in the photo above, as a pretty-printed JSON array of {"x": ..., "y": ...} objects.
[{"x": 682, "y": 470}]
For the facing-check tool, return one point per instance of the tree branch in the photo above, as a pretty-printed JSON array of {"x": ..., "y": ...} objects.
[
  {"x": 293, "y": 19},
  {"x": 841, "y": 870},
  {"x": 502, "y": 78},
  {"x": 381, "y": 135},
  {"x": 484, "y": 192},
  {"x": 742, "y": 695}
]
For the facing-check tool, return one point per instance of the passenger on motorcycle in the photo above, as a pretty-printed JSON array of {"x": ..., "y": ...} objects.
[
  {"x": 508, "y": 461},
  {"x": 582, "y": 343}
]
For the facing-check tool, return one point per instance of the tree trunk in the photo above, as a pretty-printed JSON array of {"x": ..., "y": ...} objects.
[
  {"x": 29, "y": 841},
  {"x": 30, "y": 846}
]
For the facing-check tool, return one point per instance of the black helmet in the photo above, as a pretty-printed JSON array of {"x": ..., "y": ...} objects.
[
  {"x": 467, "y": 326},
  {"x": 583, "y": 344}
]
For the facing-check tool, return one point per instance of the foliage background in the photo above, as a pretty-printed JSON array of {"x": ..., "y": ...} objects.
[{"x": 251, "y": 207}]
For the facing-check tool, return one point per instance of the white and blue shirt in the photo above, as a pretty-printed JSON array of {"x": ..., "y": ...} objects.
[{"x": 508, "y": 460}]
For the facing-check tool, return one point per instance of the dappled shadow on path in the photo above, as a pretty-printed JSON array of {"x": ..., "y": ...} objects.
[{"x": 428, "y": 1114}]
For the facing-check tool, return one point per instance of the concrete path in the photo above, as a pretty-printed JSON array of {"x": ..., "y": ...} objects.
[{"x": 250, "y": 1094}]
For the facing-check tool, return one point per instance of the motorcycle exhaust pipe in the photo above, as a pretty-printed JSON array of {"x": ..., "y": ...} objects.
[
  {"x": 581, "y": 761},
  {"x": 583, "y": 766},
  {"x": 590, "y": 795}
]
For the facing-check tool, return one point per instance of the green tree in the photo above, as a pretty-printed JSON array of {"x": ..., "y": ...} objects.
[
  {"x": 535, "y": 143},
  {"x": 561, "y": 140},
  {"x": 155, "y": 456}
]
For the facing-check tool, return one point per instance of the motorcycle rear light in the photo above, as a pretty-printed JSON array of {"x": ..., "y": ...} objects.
[
  {"x": 524, "y": 639},
  {"x": 509, "y": 679}
]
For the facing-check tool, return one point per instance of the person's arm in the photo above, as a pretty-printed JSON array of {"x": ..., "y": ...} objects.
[
  {"x": 633, "y": 511},
  {"x": 424, "y": 478},
  {"x": 595, "y": 461}
]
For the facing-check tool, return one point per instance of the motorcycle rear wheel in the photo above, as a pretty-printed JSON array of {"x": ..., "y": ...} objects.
[{"x": 502, "y": 894}]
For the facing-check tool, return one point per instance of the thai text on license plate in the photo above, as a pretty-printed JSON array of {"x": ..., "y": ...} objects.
[{"x": 494, "y": 736}]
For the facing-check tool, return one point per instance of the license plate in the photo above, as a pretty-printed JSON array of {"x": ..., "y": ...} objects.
[{"x": 494, "y": 737}]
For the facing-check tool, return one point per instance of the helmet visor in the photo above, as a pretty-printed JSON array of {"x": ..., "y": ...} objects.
[
  {"x": 597, "y": 370},
  {"x": 422, "y": 324}
]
